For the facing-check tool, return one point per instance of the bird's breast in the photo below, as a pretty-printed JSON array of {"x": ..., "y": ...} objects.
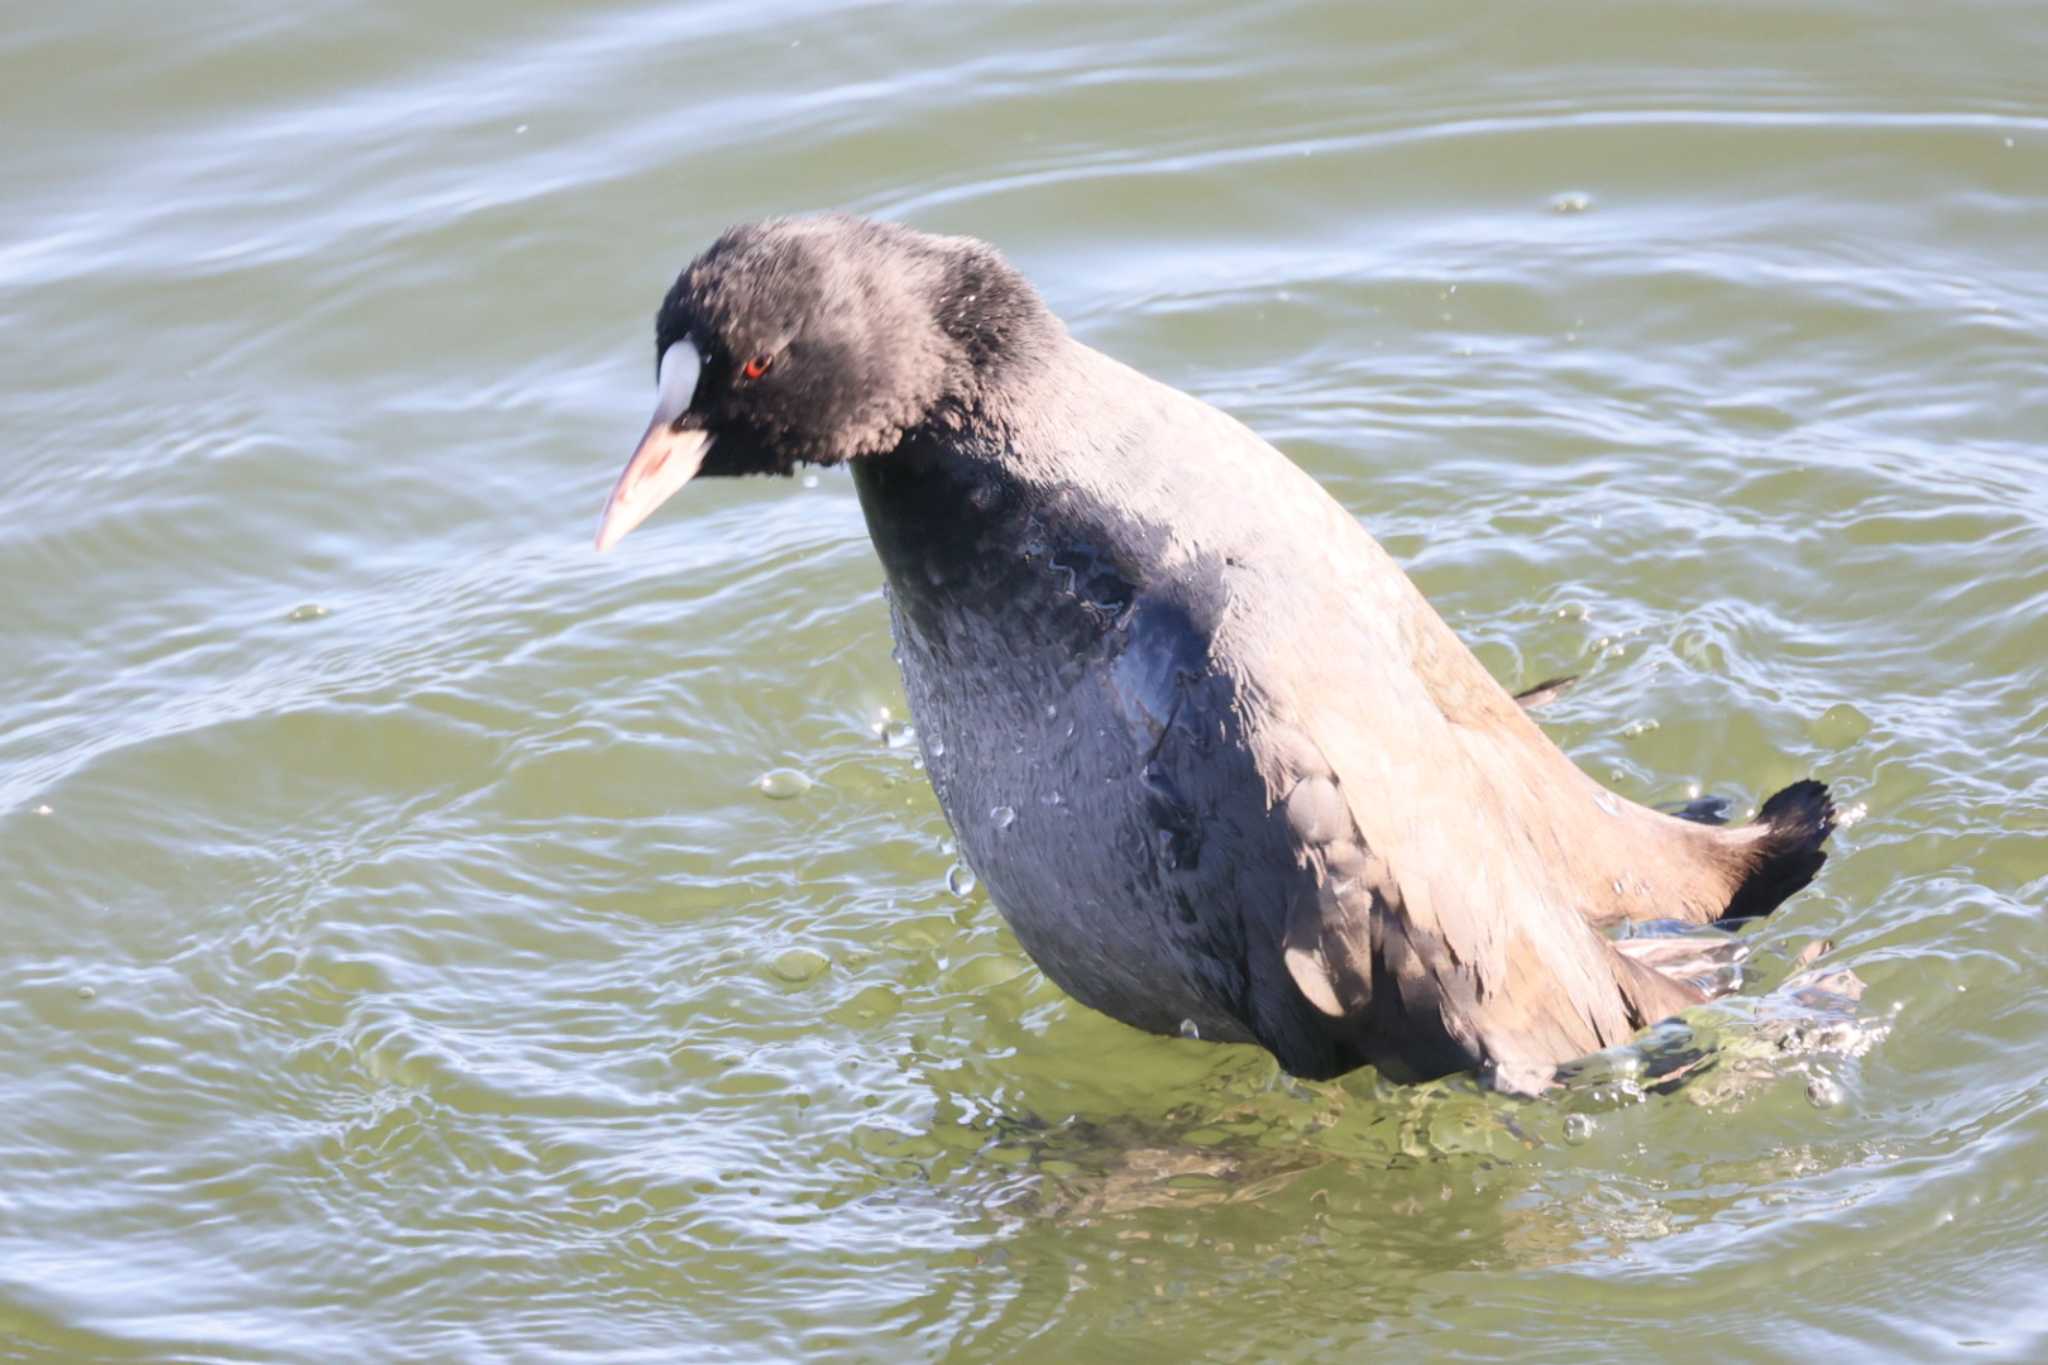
[{"x": 1059, "y": 697}]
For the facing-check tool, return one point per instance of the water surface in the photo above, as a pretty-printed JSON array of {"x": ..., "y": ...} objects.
[{"x": 405, "y": 962}]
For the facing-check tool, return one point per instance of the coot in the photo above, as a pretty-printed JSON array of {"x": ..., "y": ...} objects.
[{"x": 1219, "y": 764}]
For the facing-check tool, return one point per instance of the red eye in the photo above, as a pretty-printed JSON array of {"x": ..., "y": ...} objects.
[{"x": 757, "y": 367}]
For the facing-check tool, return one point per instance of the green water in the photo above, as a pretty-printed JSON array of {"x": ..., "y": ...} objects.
[{"x": 403, "y": 961}]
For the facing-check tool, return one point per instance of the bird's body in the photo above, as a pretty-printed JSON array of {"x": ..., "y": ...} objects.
[{"x": 1221, "y": 766}]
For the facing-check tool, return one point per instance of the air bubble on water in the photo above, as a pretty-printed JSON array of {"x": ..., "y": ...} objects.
[
  {"x": 1639, "y": 727},
  {"x": 1838, "y": 727},
  {"x": 799, "y": 965},
  {"x": 86, "y": 992},
  {"x": 1579, "y": 1127},
  {"x": 1824, "y": 1092},
  {"x": 44, "y": 810},
  {"x": 960, "y": 881},
  {"x": 306, "y": 611},
  {"x": 1571, "y": 201},
  {"x": 780, "y": 784},
  {"x": 1003, "y": 817},
  {"x": 1190, "y": 1029}
]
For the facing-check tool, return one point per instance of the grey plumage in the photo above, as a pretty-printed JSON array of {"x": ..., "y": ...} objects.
[{"x": 1217, "y": 760}]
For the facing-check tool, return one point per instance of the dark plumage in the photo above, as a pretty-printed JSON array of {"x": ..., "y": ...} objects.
[{"x": 1216, "y": 759}]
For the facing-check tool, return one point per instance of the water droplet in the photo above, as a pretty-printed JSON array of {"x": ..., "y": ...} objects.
[
  {"x": 1169, "y": 849},
  {"x": 1579, "y": 1127},
  {"x": 1051, "y": 712},
  {"x": 1846, "y": 817},
  {"x": 1823, "y": 1092},
  {"x": 960, "y": 881},
  {"x": 1189, "y": 1029},
  {"x": 1003, "y": 816},
  {"x": 938, "y": 747},
  {"x": 309, "y": 611},
  {"x": 1053, "y": 799},
  {"x": 44, "y": 810},
  {"x": 809, "y": 481},
  {"x": 780, "y": 784}
]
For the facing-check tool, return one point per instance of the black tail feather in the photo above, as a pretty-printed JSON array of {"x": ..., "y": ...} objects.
[
  {"x": 1797, "y": 822},
  {"x": 1701, "y": 810},
  {"x": 1545, "y": 692}
]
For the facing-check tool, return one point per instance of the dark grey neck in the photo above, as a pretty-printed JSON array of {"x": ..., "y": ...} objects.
[{"x": 983, "y": 563}]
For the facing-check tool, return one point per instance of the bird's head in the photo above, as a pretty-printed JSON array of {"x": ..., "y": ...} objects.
[{"x": 819, "y": 340}]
